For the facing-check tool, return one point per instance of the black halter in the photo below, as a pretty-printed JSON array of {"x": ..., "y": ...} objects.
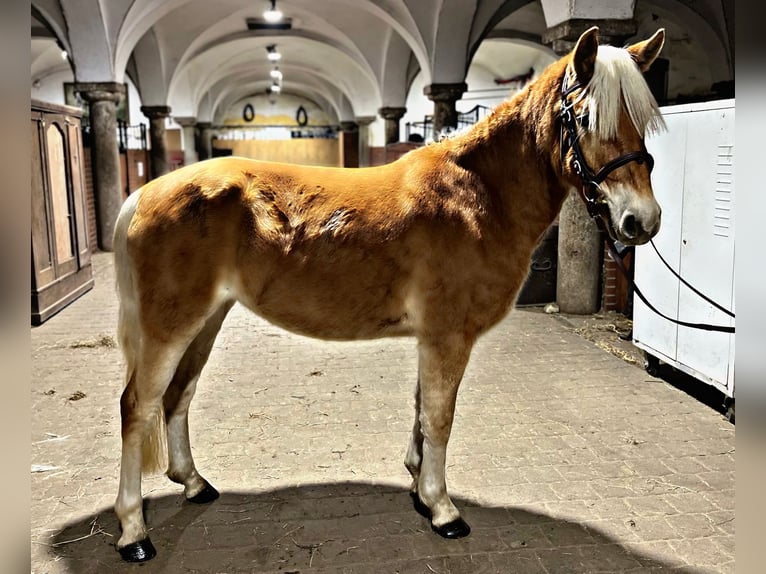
[
  {"x": 596, "y": 203},
  {"x": 570, "y": 140}
]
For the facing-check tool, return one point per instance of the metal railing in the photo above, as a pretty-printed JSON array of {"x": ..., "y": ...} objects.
[
  {"x": 424, "y": 131},
  {"x": 131, "y": 137},
  {"x": 128, "y": 137}
]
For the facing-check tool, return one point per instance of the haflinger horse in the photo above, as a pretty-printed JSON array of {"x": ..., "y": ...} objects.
[{"x": 435, "y": 245}]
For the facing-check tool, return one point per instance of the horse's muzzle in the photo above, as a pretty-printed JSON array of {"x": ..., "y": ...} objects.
[{"x": 637, "y": 227}]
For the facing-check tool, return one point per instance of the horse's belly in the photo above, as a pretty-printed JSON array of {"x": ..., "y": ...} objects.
[{"x": 330, "y": 308}]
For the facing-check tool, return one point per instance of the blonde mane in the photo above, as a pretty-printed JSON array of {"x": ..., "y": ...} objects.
[{"x": 616, "y": 72}]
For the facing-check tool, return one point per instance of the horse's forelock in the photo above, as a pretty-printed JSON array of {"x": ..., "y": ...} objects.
[{"x": 616, "y": 73}]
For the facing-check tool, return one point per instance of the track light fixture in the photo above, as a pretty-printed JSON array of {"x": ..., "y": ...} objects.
[
  {"x": 272, "y": 15},
  {"x": 272, "y": 54}
]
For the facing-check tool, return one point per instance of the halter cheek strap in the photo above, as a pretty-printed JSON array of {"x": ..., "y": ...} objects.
[{"x": 569, "y": 139}]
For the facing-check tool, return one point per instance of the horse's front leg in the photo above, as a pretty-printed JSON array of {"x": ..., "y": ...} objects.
[{"x": 440, "y": 370}]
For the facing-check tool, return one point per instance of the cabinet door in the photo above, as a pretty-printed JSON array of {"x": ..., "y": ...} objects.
[
  {"x": 707, "y": 241},
  {"x": 658, "y": 285},
  {"x": 78, "y": 193},
  {"x": 61, "y": 204},
  {"x": 42, "y": 245}
]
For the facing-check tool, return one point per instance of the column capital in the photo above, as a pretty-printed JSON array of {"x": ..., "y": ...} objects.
[
  {"x": 186, "y": 121},
  {"x": 155, "y": 112},
  {"x": 392, "y": 113},
  {"x": 204, "y": 125},
  {"x": 100, "y": 91},
  {"x": 349, "y": 126},
  {"x": 563, "y": 37},
  {"x": 445, "y": 92},
  {"x": 364, "y": 120}
]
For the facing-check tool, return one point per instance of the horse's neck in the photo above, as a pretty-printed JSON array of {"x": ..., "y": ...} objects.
[{"x": 514, "y": 151}]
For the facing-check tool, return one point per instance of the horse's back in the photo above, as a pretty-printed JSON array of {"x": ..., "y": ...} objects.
[
  {"x": 328, "y": 252},
  {"x": 298, "y": 245}
]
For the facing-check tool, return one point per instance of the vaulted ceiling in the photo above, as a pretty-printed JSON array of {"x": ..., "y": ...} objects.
[{"x": 351, "y": 57}]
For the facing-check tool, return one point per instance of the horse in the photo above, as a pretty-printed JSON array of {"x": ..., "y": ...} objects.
[{"x": 434, "y": 245}]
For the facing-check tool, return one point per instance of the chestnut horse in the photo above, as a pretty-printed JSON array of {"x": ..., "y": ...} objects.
[{"x": 435, "y": 245}]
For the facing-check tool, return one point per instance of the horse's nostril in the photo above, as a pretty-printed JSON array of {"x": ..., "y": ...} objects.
[{"x": 631, "y": 226}]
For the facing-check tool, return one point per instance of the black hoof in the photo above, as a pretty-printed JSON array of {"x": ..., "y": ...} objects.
[
  {"x": 456, "y": 529},
  {"x": 140, "y": 551},
  {"x": 420, "y": 508},
  {"x": 207, "y": 494}
]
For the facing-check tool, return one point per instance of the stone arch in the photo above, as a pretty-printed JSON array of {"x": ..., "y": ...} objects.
[
  {"x": 258, "y": 88},
  {"x": 315, "y": 88},
  {"x": 717, "y": 54},
  {"x": 394, "y": 79},
  {"x": 145, "y": 13},
  {"x": 148, "y": 67},
  {"x": 361, "y": 89},
  {"x": 49, "y": 14}
]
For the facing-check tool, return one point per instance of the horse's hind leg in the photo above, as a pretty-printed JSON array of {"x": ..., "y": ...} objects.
[
  {"x": 141, "y": 411},
  {"x": 441, "y": 366},
  {"x": 181, "y": 468},
  {"x": 414, "y": 456}
]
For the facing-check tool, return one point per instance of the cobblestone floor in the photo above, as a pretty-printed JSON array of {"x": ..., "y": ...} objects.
[{"x": 563, "y": 457}]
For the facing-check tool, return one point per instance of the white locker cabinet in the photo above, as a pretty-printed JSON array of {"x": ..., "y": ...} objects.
[{"x": 693, "y": 182}]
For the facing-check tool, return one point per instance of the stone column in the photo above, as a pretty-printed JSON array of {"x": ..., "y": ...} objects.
[
  {"x": 364, "y": 139},
  {"x": 189, "y": 136},
  {"x": 349, "y": 144},
  {"x": 563, "y": 37},
  {"x": 204, "y": 133},
  {"x": 444, "y": 97},
  {"x": 392, "y": 116},
  {"x": 158, "y": 152},
  {"x": 580, "y": 243},
  {"x": 102, "y": 98},
  {"x": 579, "y": 259}
]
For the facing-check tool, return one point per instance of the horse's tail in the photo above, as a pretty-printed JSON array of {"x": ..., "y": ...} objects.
[{"x": 154, "y": 448}]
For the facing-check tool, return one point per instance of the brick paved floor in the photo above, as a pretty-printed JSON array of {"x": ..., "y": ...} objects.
[{"x": 563, "y": 457}]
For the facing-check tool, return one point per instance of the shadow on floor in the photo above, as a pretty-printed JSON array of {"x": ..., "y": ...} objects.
[
  {"x": 703, "y": 392},
  {"x": 341, "y": 528}
]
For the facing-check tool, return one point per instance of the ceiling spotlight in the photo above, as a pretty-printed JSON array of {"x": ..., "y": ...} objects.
[
  {"x": 272, "y": 15},
  {"x": 272, "y": 53},
  {"x": 276, "y": 74},
  {"x": 275, "y": 88},
  {"x": 64, "y": 55}
]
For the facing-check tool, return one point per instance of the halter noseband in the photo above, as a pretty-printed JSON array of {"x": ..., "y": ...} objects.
[{"x": 570, "y": 140}]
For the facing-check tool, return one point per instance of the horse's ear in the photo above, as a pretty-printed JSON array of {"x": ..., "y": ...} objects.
[
  {"x": 644, "y": 53},
  {"x": 584, "y": 55}
]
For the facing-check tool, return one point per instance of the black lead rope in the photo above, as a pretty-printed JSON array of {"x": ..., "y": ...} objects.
[
  {"x": 621, "y": 266},
  {"x": 682, "y": 280}
]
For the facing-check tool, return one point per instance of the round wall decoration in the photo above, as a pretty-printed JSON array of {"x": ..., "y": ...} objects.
[
  {"x": 248, "y": 113},
  {"x": 301, "y": 116}
]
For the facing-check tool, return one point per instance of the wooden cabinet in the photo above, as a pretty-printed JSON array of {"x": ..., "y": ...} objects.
[{"x": 61, "y": 262}]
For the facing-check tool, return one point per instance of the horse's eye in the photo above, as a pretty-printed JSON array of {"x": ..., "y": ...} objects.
[{"x": 584, "y": 121}]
